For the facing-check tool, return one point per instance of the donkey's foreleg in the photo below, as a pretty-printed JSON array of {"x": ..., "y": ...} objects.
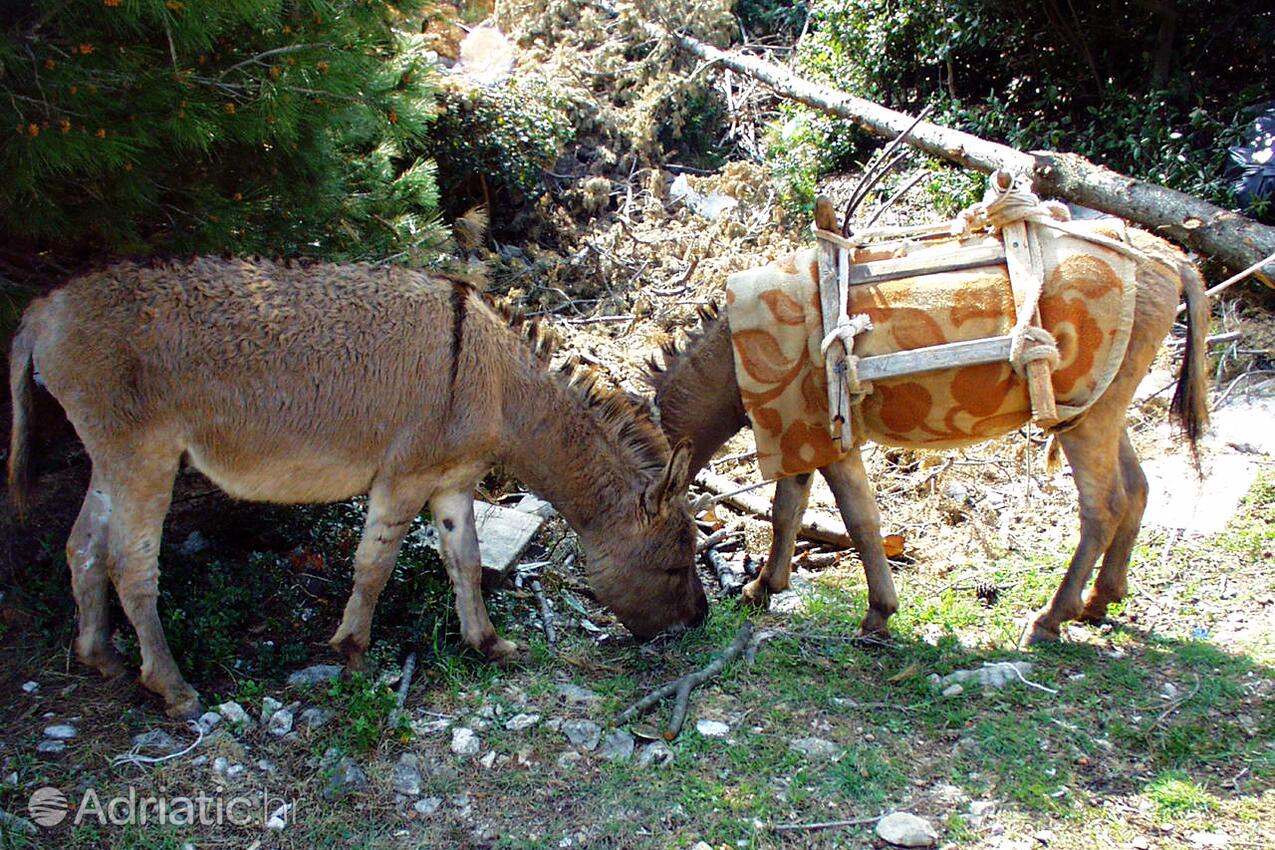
[
  {"x": 1113, "y": 577},
  {"x": 86, "y": 555},
  {"x": 1093, "y": 449},
  {"x": 454, "y": 518},
  {"x": 858, "y": 506},
  {"x": 140, "y": 489},
  {"x": 791, "y": 495},
  {"x": 391, "y": 507}
]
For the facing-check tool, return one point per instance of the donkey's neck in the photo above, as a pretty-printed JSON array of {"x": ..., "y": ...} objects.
[
  {"x": 557, "y": 444},
  {"x": 697, "y": 395}
]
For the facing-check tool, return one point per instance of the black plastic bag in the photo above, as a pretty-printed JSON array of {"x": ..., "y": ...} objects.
[{"x": 1251, "y": 166}]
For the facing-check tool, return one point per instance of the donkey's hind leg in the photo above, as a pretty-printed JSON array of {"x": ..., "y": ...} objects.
[
  {"x": 86, "y": 555},
  {"x": 1093, "y": 449},
  {"x": 791, "y": 494},
  {"x": 391, "y": 507},
  {"x": 140, "y": 487},
  {"x": 1113, "y": 577}
]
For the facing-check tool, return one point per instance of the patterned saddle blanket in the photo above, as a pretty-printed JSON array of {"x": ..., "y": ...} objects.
[{"x": 777, "y": 326}]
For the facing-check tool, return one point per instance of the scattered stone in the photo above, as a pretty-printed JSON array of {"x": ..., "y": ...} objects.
[
  {"x": 990, "y": 675},
  {"x": 347, "y": 778},
  {"x": 1216, "y": 840},
  {"x": 1140, "y": 843},
  {"x": 569, "y": 759},
  {"x": 30, "y": 687},
  {"x": 208, "y": 721},
  {"x": 234, "y": 771},
  {"x": 193, "y": 544},
  {"x": 278, "y": 820},
  {"x": 488, "y": 760},
  {"x": 1044, "y": 836},
  {"x": 904, "y": 829},
  {"x": 655, "y": 754},
  {"x": 314, "y": 717},
  {"x": 576, "y": 695},
  {"x": 617, "y": 746},
  {"x": 269, "y": 705},
  {"x": 314, "y": 675},
  {"x": 554, "y": 724},
  {"x": 155, "y": 741},
  {"x": 465, "y": 742},
  {"x": 954, "y": 690},
  {"x": 582, "y": 733},
  {"x": 11, "y": 778},
  {"x": 712, "y": 728},
  {"x": 220, "y": 765},
  {"x": 431, "y": 727},
  {"x": 267, "y": 766},
  {"x": 235, "y": 715},
  {"x": 815, "y": 748},
  {"x": 280, "y": 723},
  {"x": 488, "y": 711},
  {"x": 50, "y": 747},
  {"x": 949, "y": 795},
  {"x": 407, "y": 775},
  {"x": 702, "y": 845},
  {"x": 426, "y": 806},
  {"x": 530, "y": 504},
  {"x": 60, "y": 732},
  {"x": 521, "y": 722}
]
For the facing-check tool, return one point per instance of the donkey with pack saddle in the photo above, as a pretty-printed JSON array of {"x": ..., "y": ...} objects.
[
  {"x": 313, "y": 383},
  {"x": 781, "y": 361}
]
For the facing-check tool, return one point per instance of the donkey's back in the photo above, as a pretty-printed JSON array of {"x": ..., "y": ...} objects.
[{"x": 285, "y": 383}]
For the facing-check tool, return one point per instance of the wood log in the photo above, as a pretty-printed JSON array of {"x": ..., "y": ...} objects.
[
  {"x": 811, "y": 525},
  {"x": 1234, "y": 239},
  {"x": 932, "y": 358}
]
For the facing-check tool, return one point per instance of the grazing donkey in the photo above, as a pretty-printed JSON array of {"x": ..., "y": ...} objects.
[
  {"x": 698, "y": 399},
  {"x": 313, "y": 383}
]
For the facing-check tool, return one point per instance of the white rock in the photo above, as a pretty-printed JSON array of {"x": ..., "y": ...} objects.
[
  {"x": 954, "y": 690},
  {"x": 1209, "y": 839},
  {"x": 269, "y": 705},
  {"x": 30, "y": 687},
  {"x": 430, "y": 727},
  {"x": 488, "y": 760},
  {"x": 49, "y": 747},
  {"x": 314, "y": 675},
  {"x": 617, "y": 746},
  {"x": 426, "y": 806},
  {"x": 278, "y": 820},
  {"x": 208, "y": 720},
  {"x": 465, "y": 742},
  {"x": 193, "y": 544},
  {"x": 520, "y": 722},
  {"x": 60, "y": 732},
  {"x": 990, "y": 675},
  {"x": 904, "y": 829},
  {"x": 220, "y": 765},
  {"x": 712, "y": 728},
  {"x": 280, "y": 723},
  {"x": 582, "y": 733},
  {"x": 576, "y": 695},
  {"x": 815, "y": 748},
  {"x": 656, "y": 753},
  {"x": 235, "y": 715},
  {"x": 314, "y": 717},
  {"x": 702, "y": 845},
  {"x": 407, "y": 775},
  {"x": 569, "y": 760},
  {"x": 155, "y": 741}
]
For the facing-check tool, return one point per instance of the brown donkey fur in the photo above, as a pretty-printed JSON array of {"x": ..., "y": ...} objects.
[
  {"x": 314, "y": 383},
  {"x": 698, "y": 399}
]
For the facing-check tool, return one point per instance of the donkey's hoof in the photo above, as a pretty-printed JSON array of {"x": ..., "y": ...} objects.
[
  {"x": 499, "y": 650},
  {"x": 756, "y": 594},
  {"x": 875, "y": 625},
  {"x": 1094, "y": 612},
  {"x": 185, "y": 707},
  {"x": 1039, "y": 633},
  {"x": 106, "y": 661}
]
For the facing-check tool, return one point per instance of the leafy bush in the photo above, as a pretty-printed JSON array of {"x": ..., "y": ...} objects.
[{"x": 1127, "y": 86}]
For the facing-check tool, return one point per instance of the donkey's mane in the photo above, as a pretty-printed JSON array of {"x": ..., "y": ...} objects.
[
  {"x": 621, "y": 415},
  {"x": 674, "y": 349}
]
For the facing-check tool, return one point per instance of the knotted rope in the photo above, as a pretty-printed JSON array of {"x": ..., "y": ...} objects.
[{"x": 847, "y": 327}]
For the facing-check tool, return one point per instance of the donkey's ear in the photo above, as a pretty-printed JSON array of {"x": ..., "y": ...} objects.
[{"x": 672, "y": 482}]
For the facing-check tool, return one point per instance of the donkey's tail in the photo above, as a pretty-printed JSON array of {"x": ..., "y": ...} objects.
[
  {"x": 1191, "y": 398},
  {"x": 21, "y": 379}
]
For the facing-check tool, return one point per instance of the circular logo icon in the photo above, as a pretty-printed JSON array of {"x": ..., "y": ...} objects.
[{"x": 48, "y": 806}]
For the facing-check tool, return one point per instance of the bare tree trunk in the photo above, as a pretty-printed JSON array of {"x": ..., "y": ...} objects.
[{"x": 1233, "y": 239}]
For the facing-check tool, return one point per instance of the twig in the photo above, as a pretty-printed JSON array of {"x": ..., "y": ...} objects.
[
  {"x": 1029, "y": 682},
  {"x": 1233, "y": 279},
  {"x": 718, "y": 536},
  {"x": 703, "y": 503},
  {"x": 404, "y": 683},
  {"x": 827, "y": 824},
  {"x": 730, "y": 582},
  {"x": 133, "y": 756},
  {"x": 590, "y": 320},
  {"x": 1176, "y": 704},
  {"x": 811, "y": 525},
  {"x": 678, "y": 285},
  {"x": 546, "y": 615},
  {"x": 681, "y": 688}
]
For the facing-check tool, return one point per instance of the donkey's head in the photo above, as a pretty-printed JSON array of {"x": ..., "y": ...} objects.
[{"x": 645, "y": 571}]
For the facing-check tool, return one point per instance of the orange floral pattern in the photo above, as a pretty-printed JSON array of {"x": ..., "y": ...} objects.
[{"x": 776, "y": 328}]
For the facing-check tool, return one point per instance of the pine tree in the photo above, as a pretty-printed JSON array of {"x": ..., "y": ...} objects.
[{"x": 241, "y": 126}]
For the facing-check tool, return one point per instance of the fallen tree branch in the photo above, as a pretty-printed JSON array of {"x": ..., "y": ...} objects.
[
  {"x": 730, "y": 581},
  {"x": 1234, "y": 239},
  {"x": 811, "y": 525},
  {"x": 681, "y": 688},
  {"x": 546, "y": 615},
  {"x": 404, "y": 684},
  {"x": 827, "y": 824}
]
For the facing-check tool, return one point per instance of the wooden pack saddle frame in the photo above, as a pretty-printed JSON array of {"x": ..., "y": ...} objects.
[{"x": 1006, "y": 221}]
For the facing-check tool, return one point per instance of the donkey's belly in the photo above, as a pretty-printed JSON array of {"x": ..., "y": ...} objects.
[{"x": 300, "y": 476}]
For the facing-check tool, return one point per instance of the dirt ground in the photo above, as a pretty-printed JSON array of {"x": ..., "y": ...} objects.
[{"x": 1155, "y": 730}]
